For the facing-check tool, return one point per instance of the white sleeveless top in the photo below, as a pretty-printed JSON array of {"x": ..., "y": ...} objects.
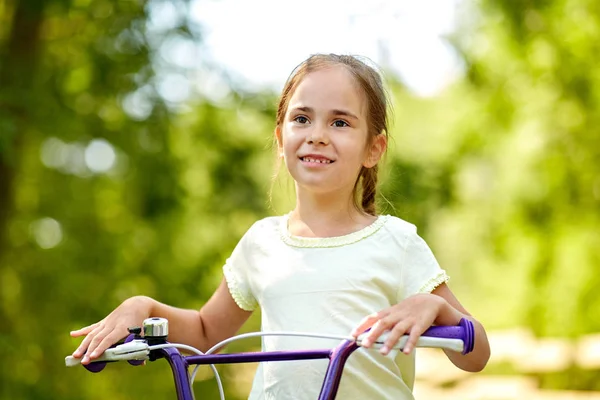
[{"x": 328, "y": 285}]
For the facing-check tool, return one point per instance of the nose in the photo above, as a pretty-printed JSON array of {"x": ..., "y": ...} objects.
[{"x": 318, "y": 136}]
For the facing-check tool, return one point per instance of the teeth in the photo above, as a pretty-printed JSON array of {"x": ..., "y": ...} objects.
[{"x": 319, "y": 161}]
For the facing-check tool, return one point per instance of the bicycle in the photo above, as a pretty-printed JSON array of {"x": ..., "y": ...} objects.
[{"x": 153, "y": 346}]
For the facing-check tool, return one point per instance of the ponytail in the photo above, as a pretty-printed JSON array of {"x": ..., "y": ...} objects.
[{"x": 369, "y": 189}]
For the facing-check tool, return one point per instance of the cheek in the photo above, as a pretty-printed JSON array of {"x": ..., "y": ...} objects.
[
  {"x": 290, "y": 138},
  {"x": 287, "y": 146},
  {"x": 366, "y": 150},
  {"x": 357, "y": 147}
]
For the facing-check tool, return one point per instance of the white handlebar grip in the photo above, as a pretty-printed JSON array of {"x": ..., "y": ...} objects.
[
  {"x": 423, "y": 341},
  {"x": 71, "y": 361}
]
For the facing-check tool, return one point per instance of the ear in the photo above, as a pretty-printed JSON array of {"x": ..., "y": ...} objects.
[
  {"x": 279, "y": 139},
  {"x": 376, "y": 150}
]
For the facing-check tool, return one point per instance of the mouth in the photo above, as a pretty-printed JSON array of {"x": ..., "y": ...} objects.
[{"x": 317, "y": 160}]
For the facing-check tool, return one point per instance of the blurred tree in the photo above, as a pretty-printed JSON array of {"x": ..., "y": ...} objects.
[
  {"x": 534, "y": 66},
  {"x": 20, "y": 53},
  {"x": 102, "y": 195},
  {"x": 502, "y": 172}
]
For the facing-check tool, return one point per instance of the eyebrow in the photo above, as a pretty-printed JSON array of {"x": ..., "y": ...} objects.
[{"x": 334, "y": 112}]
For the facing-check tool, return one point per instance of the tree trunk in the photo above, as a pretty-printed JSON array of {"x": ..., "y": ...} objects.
[{"x": 17, "y": 75}]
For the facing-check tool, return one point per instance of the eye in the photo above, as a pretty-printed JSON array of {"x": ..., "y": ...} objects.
[
  {"x": 301, "y": 119},
  {"x": 340, "y": 123}
]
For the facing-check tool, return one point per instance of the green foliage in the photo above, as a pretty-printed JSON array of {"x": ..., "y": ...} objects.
[
  {"x": 546, "y": 84},
  {"x": 78, "y": 240}
]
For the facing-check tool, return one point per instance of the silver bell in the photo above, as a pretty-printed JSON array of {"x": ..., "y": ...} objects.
[{"x": 156, "y": 327}]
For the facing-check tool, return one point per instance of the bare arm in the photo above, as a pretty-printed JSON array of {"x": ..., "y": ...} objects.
[
  {"x": 218, "y": 319},
  {"x": 451, "y": 313}
]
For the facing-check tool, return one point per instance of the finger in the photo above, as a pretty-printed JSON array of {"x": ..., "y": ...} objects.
[
  {"x": 86, "y": 342},
  {"x": 413, "y": 337},
  {"x": 108, "y": 341},
  {"x": 377, "y": 330},
  {"x": 368, "y": 322},
  {"x": 84, "y": 331},
  {"x": 81, "y": 350},
  {"x": 397, "y": 332},
  {"x": 363, "y": 326},
  {"x": 94, "y": 344}
]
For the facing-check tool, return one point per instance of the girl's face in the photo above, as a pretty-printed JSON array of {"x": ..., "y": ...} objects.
[{"x": 323, "y": 137}]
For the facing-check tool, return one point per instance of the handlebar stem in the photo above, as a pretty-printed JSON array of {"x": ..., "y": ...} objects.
[{"x": 179, "y": 367}]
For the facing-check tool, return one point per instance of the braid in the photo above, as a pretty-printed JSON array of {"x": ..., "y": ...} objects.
[{"x": 369, "y": 189}]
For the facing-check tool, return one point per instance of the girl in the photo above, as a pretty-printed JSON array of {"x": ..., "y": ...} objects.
[{"x": 329, "y": 262}]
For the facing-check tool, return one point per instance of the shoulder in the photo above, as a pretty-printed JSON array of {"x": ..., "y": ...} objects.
[
  {"x": 399, "y": 227},
  {"x": 404, "y": 233},
  {"x": 266, "y": 224},
  {"x": 259, "y": 234},
  {"x": 263, "y": 228}
]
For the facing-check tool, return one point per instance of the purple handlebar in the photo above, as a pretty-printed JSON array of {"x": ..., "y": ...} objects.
[
  {"x": 100, "y": 365},
  {"x": 465, "y": 331}
]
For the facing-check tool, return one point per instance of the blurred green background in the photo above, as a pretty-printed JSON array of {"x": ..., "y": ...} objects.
[{"x": 108, "y": 189}]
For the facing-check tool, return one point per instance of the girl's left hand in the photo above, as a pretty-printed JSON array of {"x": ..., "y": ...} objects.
[{"x": 412, "y": 316}]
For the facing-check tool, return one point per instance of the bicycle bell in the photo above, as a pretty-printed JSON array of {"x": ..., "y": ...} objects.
[{"x": 156, "y": 328}]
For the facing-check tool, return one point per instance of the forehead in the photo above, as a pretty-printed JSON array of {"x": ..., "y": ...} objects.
[{"x": 329, "y": 88}]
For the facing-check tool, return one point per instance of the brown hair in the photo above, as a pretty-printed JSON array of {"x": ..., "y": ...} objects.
[{"x": 369, "y": 80}]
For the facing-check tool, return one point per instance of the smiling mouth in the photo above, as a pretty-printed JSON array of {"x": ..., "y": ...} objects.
[{"x": 316, "y": 160}]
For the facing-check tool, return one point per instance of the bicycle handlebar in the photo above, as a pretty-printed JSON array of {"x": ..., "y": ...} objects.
[
  {"x": 135, "y": 350},
  {"x": 458, "y": 338}
]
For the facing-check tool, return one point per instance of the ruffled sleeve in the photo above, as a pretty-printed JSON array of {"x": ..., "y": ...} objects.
[
  {"x": 236, "y": 271},
  {"x": 421, "y": 272}
]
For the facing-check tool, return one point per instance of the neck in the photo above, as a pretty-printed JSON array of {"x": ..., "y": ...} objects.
[{"x": 326, "y": 215}]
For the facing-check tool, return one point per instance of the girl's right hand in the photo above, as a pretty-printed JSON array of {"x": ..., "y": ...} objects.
[{"x": 103, "y": 334}]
